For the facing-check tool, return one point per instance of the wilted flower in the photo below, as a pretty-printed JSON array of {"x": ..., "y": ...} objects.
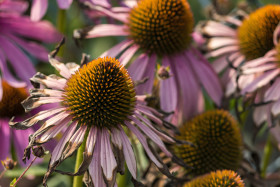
[
  {"x": 17, "y": 36},
  {"x": 221, "y": 178},
  {"x": 97, "y": 104},
  {"x": 235, "y": 42},
  {"x": 162, "y": 31},
  {"x": 217, "y": 143}
]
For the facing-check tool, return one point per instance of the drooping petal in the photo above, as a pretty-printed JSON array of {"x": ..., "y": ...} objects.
[
  {"x": 144, "y": 143},
  {"x": 117, "y": 49},
  {"x": 138, "y": 67},
  {"x": 128, "y": 54},
  {"x": 273, "y": 94},
  {"x": 168, "y": 90},
  {"x": 108, "y": 161},
  {"x": 5, "y": 140},
  {"x": 64, "y": 4}
]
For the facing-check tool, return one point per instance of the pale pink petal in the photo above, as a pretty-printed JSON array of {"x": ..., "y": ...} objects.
[
  {"x": 108, "y": 161},
  {"x": 60, "y": 67},
  {"x": 128, "y": 54},
  {"x": 273, "y": 93},
  {"x": 117, "y": 49},
  {"x": 120, "y": 16},
  {"x": 13, "y": 6},
  {"x": 168, "y": 89},
  {"x": 20, "y": 62},
  {"x": 207, "y": 76},
  {"x": 91, "y": 139},
  {"x": 260, "y": 69},
  {"x": 144, "y": 143},
  {"x": 104, "y": 3},
  {"x": 218, "y": 42},
  {"x": 260, "y": 114},
  {"x": 233, "y": 20},
  {"x": 276, "y": 108},
  {"x": 95, "y": 165},
  {"x": 54, "y": 120},
  {"x": 198, "y": 38},
  {"x": 213, "y": 28},
  {"x": 38, "y": 9},
  {"x": 261, "y": 81},
  {"x": 59, "y": 148},
  {"x": 151, "y": 134},
  {"x": 5, "y": 140},
  {"x": 257, "y": 62},
  {"x": 149, "y": 114},
  {"x": 146, "y": 88},
  {"x": 53, "y": 131},
  {"x": 64, "y": 4},
  {"x": 128, "y": 153},
  {"x": 107, "y": 30},
  {"x": 222, "y": 51}
]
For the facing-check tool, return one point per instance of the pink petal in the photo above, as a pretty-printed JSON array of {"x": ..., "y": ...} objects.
[
  {"x": 128, "y": 153},
  {"x": 151, "y": 134},
  {"x": 5, "y": 140},
  {"x": 146, "y": 88},
  {"x": 260, "y": 115},
  {"x": 60, "y": 67},
  {"x": 95, "y": 165},
  {"x": 64, "y": 4},
  {"x": 107, "y": 30},
  {"x": 117, "y": 49},
  {"x": 108, "y": 161},
  {"x": 259, "y": 69},
  {"x": 168, "y": 90},
  {"x": 207, "y": 76},
  {"x": 222, "y": 51},
  {"x": 273, "y": 93},
  {"x": 138, "y": 67},
  {"x": 18, "y": 7},
  {"x": 218, "y": 42},
  {"x": 261, "y": 81},
  {"x": 120, "y": 16},
  {"x": 20, "y": 62},
  {"x": 38, "y": 9},
  {"x": 276, "y": 108},
  {"x": 127, "y": 55},
  {"x": 59, "y": 148},
  {"x": 33, "y": 48},
  {"x": 257, "y": 62},
  {"x": 213, "y": 28},
  {"x": 144, "y": 143}
]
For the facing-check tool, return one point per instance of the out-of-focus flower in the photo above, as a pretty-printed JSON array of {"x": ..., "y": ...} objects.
[
  {"x": 97, "y": 105},
  {"x": 234, "y": 42},
  {"x": 217, "y": 143},
  {"x": 10, "y": 106},
  {"x": 18, "y": 35},
  {"x": 162, "y": 32},
  {"x": 221, "y": 178}
]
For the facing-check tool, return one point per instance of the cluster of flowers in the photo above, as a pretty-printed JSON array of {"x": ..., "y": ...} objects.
[{"x": 150, "y": 87}]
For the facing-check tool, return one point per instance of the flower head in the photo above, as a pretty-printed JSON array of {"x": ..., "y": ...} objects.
[
  {"x": 98, "y": 105},
  {"x": 239, "y": 38},
  {"x": 221, "y": 178},
  {"x": 217, "y": 142},
  {"x": 162, "y": 31}
]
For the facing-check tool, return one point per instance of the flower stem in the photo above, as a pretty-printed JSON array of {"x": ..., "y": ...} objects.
[
  {"x": 61, "y": 25},
  {"x": 78, "y": 180},
  {"x": 266, "y": 157}
]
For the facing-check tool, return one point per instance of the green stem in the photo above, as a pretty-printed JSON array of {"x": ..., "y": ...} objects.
[
  {"x": 78, "y": 180},
  {"x": 123, "y": 179},
  {"x": 61, "y": 26},
  {"x": 266, "y": 157}
]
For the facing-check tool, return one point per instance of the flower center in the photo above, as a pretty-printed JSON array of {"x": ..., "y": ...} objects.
[
  {"x": 217, "y": 141},
  {"x": 161, "y": 26},
  {"x": 10, "y": 105},
  {"x": 256, "y": 32},
  {"x": 100, "y": 93}
]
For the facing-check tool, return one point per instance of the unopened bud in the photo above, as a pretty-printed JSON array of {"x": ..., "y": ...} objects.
[
  {"x": 39, "y": 151},
  {"x": 9, "y": 164}
]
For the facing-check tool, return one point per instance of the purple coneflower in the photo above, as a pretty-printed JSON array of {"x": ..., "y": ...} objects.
[
  {"x": 16, "y": 34},
  {"x": 98, "y": 106},
  {"x": 10, "y": 106},
  {"x": 161, "y": 31},
  {"x": 234, "y": 42}
]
